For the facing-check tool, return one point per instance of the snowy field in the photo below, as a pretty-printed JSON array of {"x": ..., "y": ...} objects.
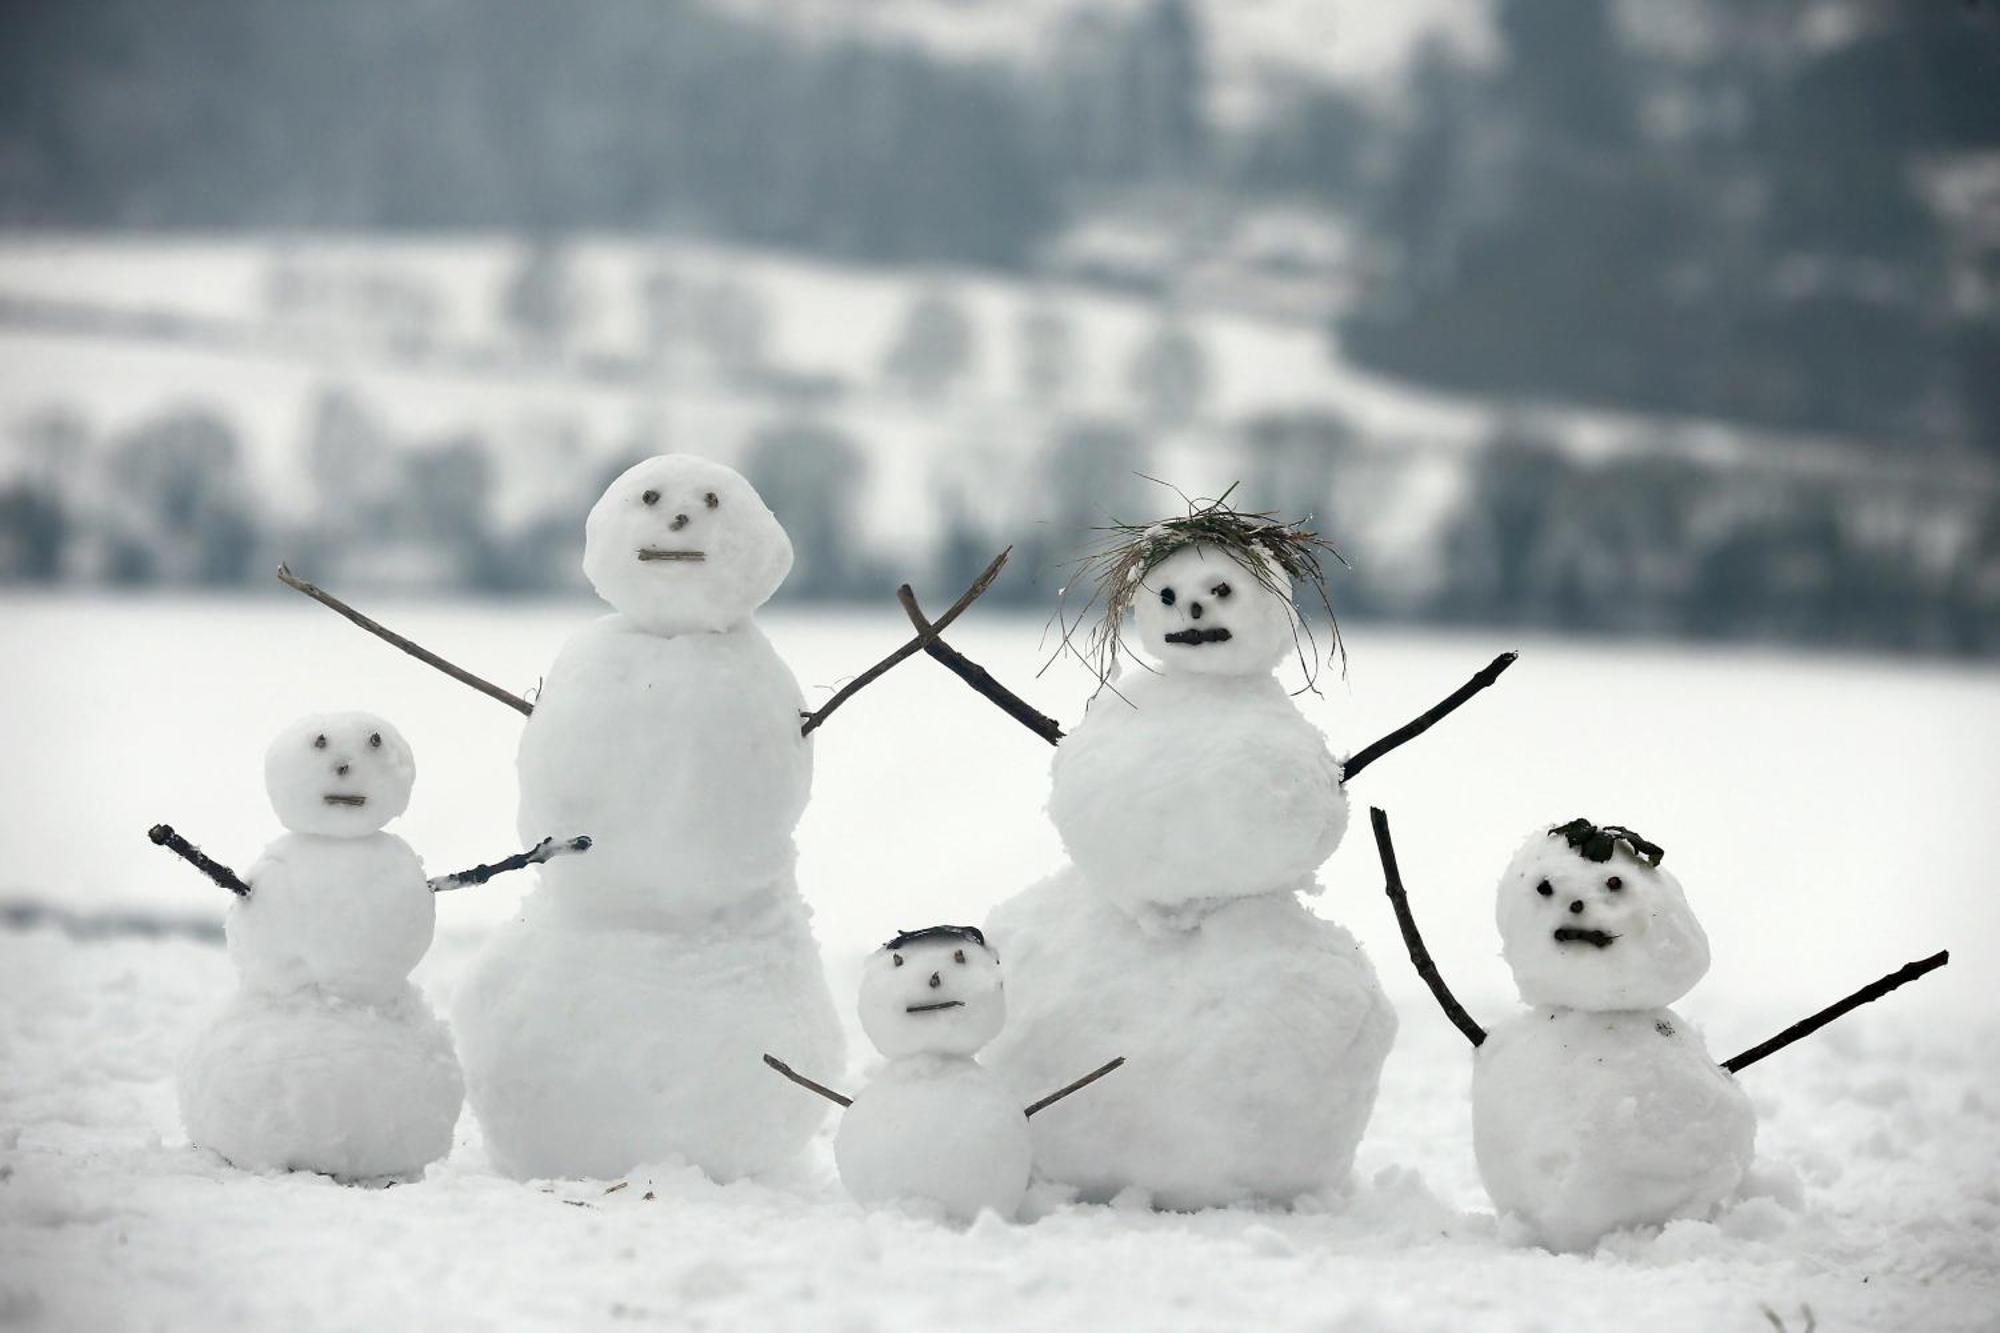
[{"x": 1827, "y": 816}]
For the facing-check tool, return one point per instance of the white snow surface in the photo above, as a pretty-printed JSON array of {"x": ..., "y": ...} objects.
[
  {"x": 928, "y": 806},
  {"x": 936, "y": 1130},
  {"x": 1586, "y": 1122}
]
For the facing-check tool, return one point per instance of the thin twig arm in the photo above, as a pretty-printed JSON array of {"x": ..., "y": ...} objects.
[
  {"x": 910, "y": 649},
  {"x": 163, "y": 835},
  {"x": 387, "y": 635},
  {"x": 977, "y": 676},
  {"x": 807, "y": 1083},
  {"x": 1412, "y": 939},
  {"x": 1077, "y": 1086},
  {"x": 1417, "y": 726},
  {"x": 542, "y": 851},
  {"x": 1805, "y": 1027}
]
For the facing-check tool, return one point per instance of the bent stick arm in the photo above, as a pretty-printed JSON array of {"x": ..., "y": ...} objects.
[
  {"x": 1077, "y": 1086},
  {"x": 910, "y": 649},
  {"x": 1417, "y": 726},
  {"x": 387, "y": 635},
  {"x": 540, "y": 852},
  {"x": 807, "y": 1083},
  {"x": 1412, "y": 940},
  {"x": 1805, "y": 1027},
  {"x": 977, "y": 676},
  {"x": 163, "y": 835}
]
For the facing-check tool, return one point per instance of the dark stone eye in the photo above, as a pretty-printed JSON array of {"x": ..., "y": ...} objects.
[
  {"x": 319, "y": 741},
  {"x": 375, "y": 739},
  {"x": 1614, "y": 883},
  {"x": 958, "y": 955},
  {"x": 1166, "y": 597},
  {"x": 710, "y": 500},
  {"x": 897, "y": 959},
  {"x": 1219, "y": 591},
  {"x": 651, "y": 497},
  {"x": 1546, "y": 889}
]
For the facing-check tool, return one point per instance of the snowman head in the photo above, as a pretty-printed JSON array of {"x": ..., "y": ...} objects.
[
  {"x": 680, "y": 544},
  {"x": 1204, "y": 609},
  {"x": 1589, "y": 920},
  {"x": 343, "y": 775},
  {"x": 935, "y": 991}
]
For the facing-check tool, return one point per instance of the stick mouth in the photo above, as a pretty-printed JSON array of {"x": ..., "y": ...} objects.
[
  {"x": 936, "y": 1005},
  {"x": 336, "y": 798},
  {"x": 649, "y": 553},
  {"x": 1192, "y": 637},
  {"x": 1572, "y": 935}
]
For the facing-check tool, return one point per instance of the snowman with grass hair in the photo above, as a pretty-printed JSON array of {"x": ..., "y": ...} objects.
[
  {"x": 1598, "y": 1107},
  {"x": 328, "y": 1059},
  {"x": 1196, "y": 803},
  {"x": 933, "y": 1126}
]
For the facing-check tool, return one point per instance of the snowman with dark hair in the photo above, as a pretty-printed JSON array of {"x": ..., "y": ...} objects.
[{"x": 933, "y": 1125}]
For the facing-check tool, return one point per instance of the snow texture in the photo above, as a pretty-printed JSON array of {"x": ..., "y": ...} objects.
[
  {"x": 310, "y": 1082},
  {"x": 1254, "y": 1045},
  {"x": 339, "y": 774},
  {"x": 1656, "y": 950},
  {"x": 1587, "y": 1122},
  {"x": 936, "y": 1130},
  {"x": 350, "y": 916},
  {"x": 938, "y": 996}
]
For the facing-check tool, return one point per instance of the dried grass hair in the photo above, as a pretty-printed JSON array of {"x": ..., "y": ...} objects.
[{"x": 1270, "y": 548}]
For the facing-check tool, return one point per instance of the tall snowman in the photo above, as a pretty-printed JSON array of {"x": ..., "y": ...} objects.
[
  {"x": 1197, "y": 803},
  {"x": 621, "y": 1018}
]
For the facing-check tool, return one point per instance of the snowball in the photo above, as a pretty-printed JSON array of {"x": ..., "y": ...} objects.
[
  {"x": 352, "y": 915},
  {"x": 1202, "y": 611},
  {"x": 1587, "y": 1122},
  {"x": 1254, "y": 1045},
  {"x": 679, "y": 756},
  {"x": 591, "y": 1048},
  {"x": 939, "y": 1130},
  {"x": 306, "y": 1082},
  {"x": 938, "y": 996},
  {"x": 1181, "y": 787},
  {"x": 680, "y": 544},
  {"x": 339, "y": 774},
  {"x": 1629, "y": 939}
]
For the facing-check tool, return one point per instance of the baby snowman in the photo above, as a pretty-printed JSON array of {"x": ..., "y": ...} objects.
[
  {"x": 933, "y": 1125},
  {"x": 1600, "y": 1108},
  {"x": 328, "y": 1059}
]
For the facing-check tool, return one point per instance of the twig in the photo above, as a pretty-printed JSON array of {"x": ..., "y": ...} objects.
[
  {"x": 163, "y": 835},
  {"x": 1409, "y": 731},
  {"x": 1080, "y": 1084},
  {"x": 807, "y": 1083},
  {"x": 977, "y": 676},
  {"x": 540, "y": 852},
  {"x": 425, "y": 655},
  {"x": 914, "y": 646},
  {"x": 1414, "y": 941},
  {"x": 1805, "y": 1027}
]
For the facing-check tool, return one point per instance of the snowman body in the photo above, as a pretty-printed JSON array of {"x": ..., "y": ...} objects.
[
  {"x": 328, "y": 1059},
  {"x": 620, "y": 1019},
  {"x": 1600, "y": 1107},
  {"x": 937, "y": 1129},
  {"x": 1197, "y": 804}
]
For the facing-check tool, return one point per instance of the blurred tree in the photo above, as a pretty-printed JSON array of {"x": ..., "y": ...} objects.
[
  {"x": 1169, "y": 374},
  {"x": 543, "y": 301},
  {"x": 449, "y": 491},
  {"x": 934, "y": 349},
  {"x": 176, "y": 492},
  {"x": 732, "y": 322},
  {"x": 813, "y": 476},
  {"x": 1047, "y": 352}
]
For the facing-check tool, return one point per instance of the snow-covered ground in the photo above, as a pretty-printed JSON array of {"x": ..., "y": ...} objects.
[{"x": 1827, "y": 816}]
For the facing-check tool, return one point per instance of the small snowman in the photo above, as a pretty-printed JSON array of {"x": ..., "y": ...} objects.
[
  {"x": 1600, "y": 1108},
  {"x": 934, "y": 1125},
  {"x": 1197, "y": 804},
  {"x": 328, "y": 1059}
]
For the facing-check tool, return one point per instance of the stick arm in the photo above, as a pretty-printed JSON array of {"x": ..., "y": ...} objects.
[
  {"x": 1805, "y": 1027},
  {"x": 1077, "y": 1086},
  {"x": 1417, "y": 726},
  {"x": 1414, "y": 941},
  {"x": 163, "y": 835},
  {"x": 807, "y": 1083},
  {"x": 546, "y": 849},
  {"x": 978, "y": 677}
]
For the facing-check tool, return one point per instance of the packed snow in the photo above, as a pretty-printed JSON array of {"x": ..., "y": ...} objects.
[{"x": 1820, "y": 855}]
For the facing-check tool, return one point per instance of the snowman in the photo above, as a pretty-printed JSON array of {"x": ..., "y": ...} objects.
[
  {"x": 933, "y": 1125},
  {"x": 619, "y": 1019},
  {"x": 1196, "y": 803},
  {"x": 1600, "y": 1108},
  {"x": 328, "y": 1059}
]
